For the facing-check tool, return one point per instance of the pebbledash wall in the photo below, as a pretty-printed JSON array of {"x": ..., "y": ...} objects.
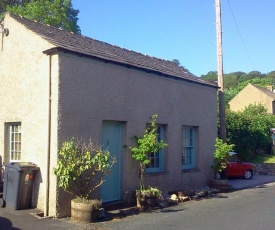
[
  {"x": 61, "y": 95},
  {"x": 92, "y": 91},
  {"x": 24, "y": 86}
]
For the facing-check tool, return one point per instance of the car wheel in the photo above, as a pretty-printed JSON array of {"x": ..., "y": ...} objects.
[
  {"x": 248, "y": 174},
  {"x": 2, "y": 203}
]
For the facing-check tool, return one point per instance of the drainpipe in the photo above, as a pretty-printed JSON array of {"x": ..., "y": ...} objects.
[{"x": 48, "y": 158}]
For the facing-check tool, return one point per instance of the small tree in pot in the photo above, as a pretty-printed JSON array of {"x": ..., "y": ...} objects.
[
  {"x": 81, "y": 168},
  {"x": 149, "y": 143},
  {"x": 221, "y": 156}
]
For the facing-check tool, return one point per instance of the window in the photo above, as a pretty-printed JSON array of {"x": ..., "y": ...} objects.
[
  {"x": 15, "y": 141},
  {"x": 188, "y": 148},
  {"x": 156, "y": 159}
]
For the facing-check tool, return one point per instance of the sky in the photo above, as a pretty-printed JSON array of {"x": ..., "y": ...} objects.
[{"x": 186, "y": 30}]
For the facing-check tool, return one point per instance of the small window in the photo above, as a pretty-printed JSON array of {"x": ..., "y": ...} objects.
[
  {"x": 188, "y": 148},
  {"x": 156, "y": 159},
  {"x": 15, "y": 141}
]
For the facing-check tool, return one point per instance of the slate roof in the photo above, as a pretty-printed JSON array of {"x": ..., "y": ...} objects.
[
  {"x": 85, "y": 46},
  {"x": 267, "y": 92}
]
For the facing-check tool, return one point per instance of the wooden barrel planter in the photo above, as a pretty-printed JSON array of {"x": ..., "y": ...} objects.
[{"x": 84, "y": 212}]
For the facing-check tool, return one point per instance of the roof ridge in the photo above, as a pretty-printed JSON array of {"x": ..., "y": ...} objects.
[{"x": 84, "y": 36}]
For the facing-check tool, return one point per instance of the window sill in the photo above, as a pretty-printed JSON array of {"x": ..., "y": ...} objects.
[
  {"x": 155, "y": 173},
  {"x": 190, "y": 170}
]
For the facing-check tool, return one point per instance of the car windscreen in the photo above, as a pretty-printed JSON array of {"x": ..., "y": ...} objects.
[{"x": 234, "y": 158}]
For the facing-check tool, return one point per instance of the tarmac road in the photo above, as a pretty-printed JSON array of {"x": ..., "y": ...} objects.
[
  {"x": 24, "y": 220},
  {"x": 245, "y": 209}
]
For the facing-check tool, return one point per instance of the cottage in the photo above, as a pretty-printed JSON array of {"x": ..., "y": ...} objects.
[
  {"x": 56, "y": 85},
  {"x": 253, "y": 95}
]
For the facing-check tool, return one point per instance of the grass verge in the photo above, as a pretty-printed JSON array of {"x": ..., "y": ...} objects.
[{"x": 263, "y": 159}]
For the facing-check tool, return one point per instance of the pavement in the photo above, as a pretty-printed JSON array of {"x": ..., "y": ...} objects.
[
  {"x": 257, "y": 180},
  {"x": 29, "y": 219}
]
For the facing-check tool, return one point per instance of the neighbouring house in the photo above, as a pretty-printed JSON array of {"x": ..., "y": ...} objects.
[
  {"x": 253, "y": 95},
  {"x": 56, "y": 85}
]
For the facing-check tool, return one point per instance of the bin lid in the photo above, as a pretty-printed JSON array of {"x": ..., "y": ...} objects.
[{"x": 21, "y": 166}]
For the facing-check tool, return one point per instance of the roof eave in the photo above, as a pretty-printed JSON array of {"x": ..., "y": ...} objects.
[{"x": 56, "y": 50}]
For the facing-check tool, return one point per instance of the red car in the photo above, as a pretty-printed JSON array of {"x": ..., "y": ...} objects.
[{"x": 237, "y": 168}]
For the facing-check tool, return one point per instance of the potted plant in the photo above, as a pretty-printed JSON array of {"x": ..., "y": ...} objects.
[
  {"x": 81, "y": 168},
  {"x": 149, "y": 143},
  {"x": 221, "y": 156},
  {"x": 148, "y": 197}
]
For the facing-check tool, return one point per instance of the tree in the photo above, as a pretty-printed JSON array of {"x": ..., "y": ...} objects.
[
  {"x": 232, "y": 92},
  {"x": 221, "y": 156},
  {"x": 251, "y": 75},
  {"x": 255, "y": 74},
  {"x": 271, "y": 74},
  {"x": 176, "y": 61},
  {"x": 230, "y": 81},
  {"x": 5, "y": 3},
  {"x": 211, "y": 76},
  {"x": 147, "y": 144},
  {"x": 58, "y": 13}
]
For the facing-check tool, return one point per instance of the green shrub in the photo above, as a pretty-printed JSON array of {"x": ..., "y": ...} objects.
[
  {"x": 249, "y": 132},
  {"x": 81, "y": 167},
  {"x": 221, "y": 155}
]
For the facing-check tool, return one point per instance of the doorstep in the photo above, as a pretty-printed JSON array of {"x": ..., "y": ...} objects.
[{"x": 116, "y": 205}]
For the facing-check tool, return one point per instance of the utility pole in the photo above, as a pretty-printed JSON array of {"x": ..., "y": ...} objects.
[{"x": 220, "y": 71}]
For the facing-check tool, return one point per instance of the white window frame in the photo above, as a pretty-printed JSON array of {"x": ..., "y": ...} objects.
[
  {"x": 156, "y": 158},
  {"x": 15, "y": 141},
  {"x": 188, "y": 147}
]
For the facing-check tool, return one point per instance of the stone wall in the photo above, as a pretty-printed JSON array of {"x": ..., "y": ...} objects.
[{"x": 264, "y": 169}]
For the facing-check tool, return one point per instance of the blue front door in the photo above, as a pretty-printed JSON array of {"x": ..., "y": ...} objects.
[{"x": 111, "y": 140}]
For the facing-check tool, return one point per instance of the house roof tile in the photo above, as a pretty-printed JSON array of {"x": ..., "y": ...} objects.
[
  {"x": 267, "y": 92},
  {"x": 90, "y": 47}
]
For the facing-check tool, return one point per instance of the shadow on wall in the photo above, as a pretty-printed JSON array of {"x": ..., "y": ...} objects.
[{"x": 36, "y": 187}]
